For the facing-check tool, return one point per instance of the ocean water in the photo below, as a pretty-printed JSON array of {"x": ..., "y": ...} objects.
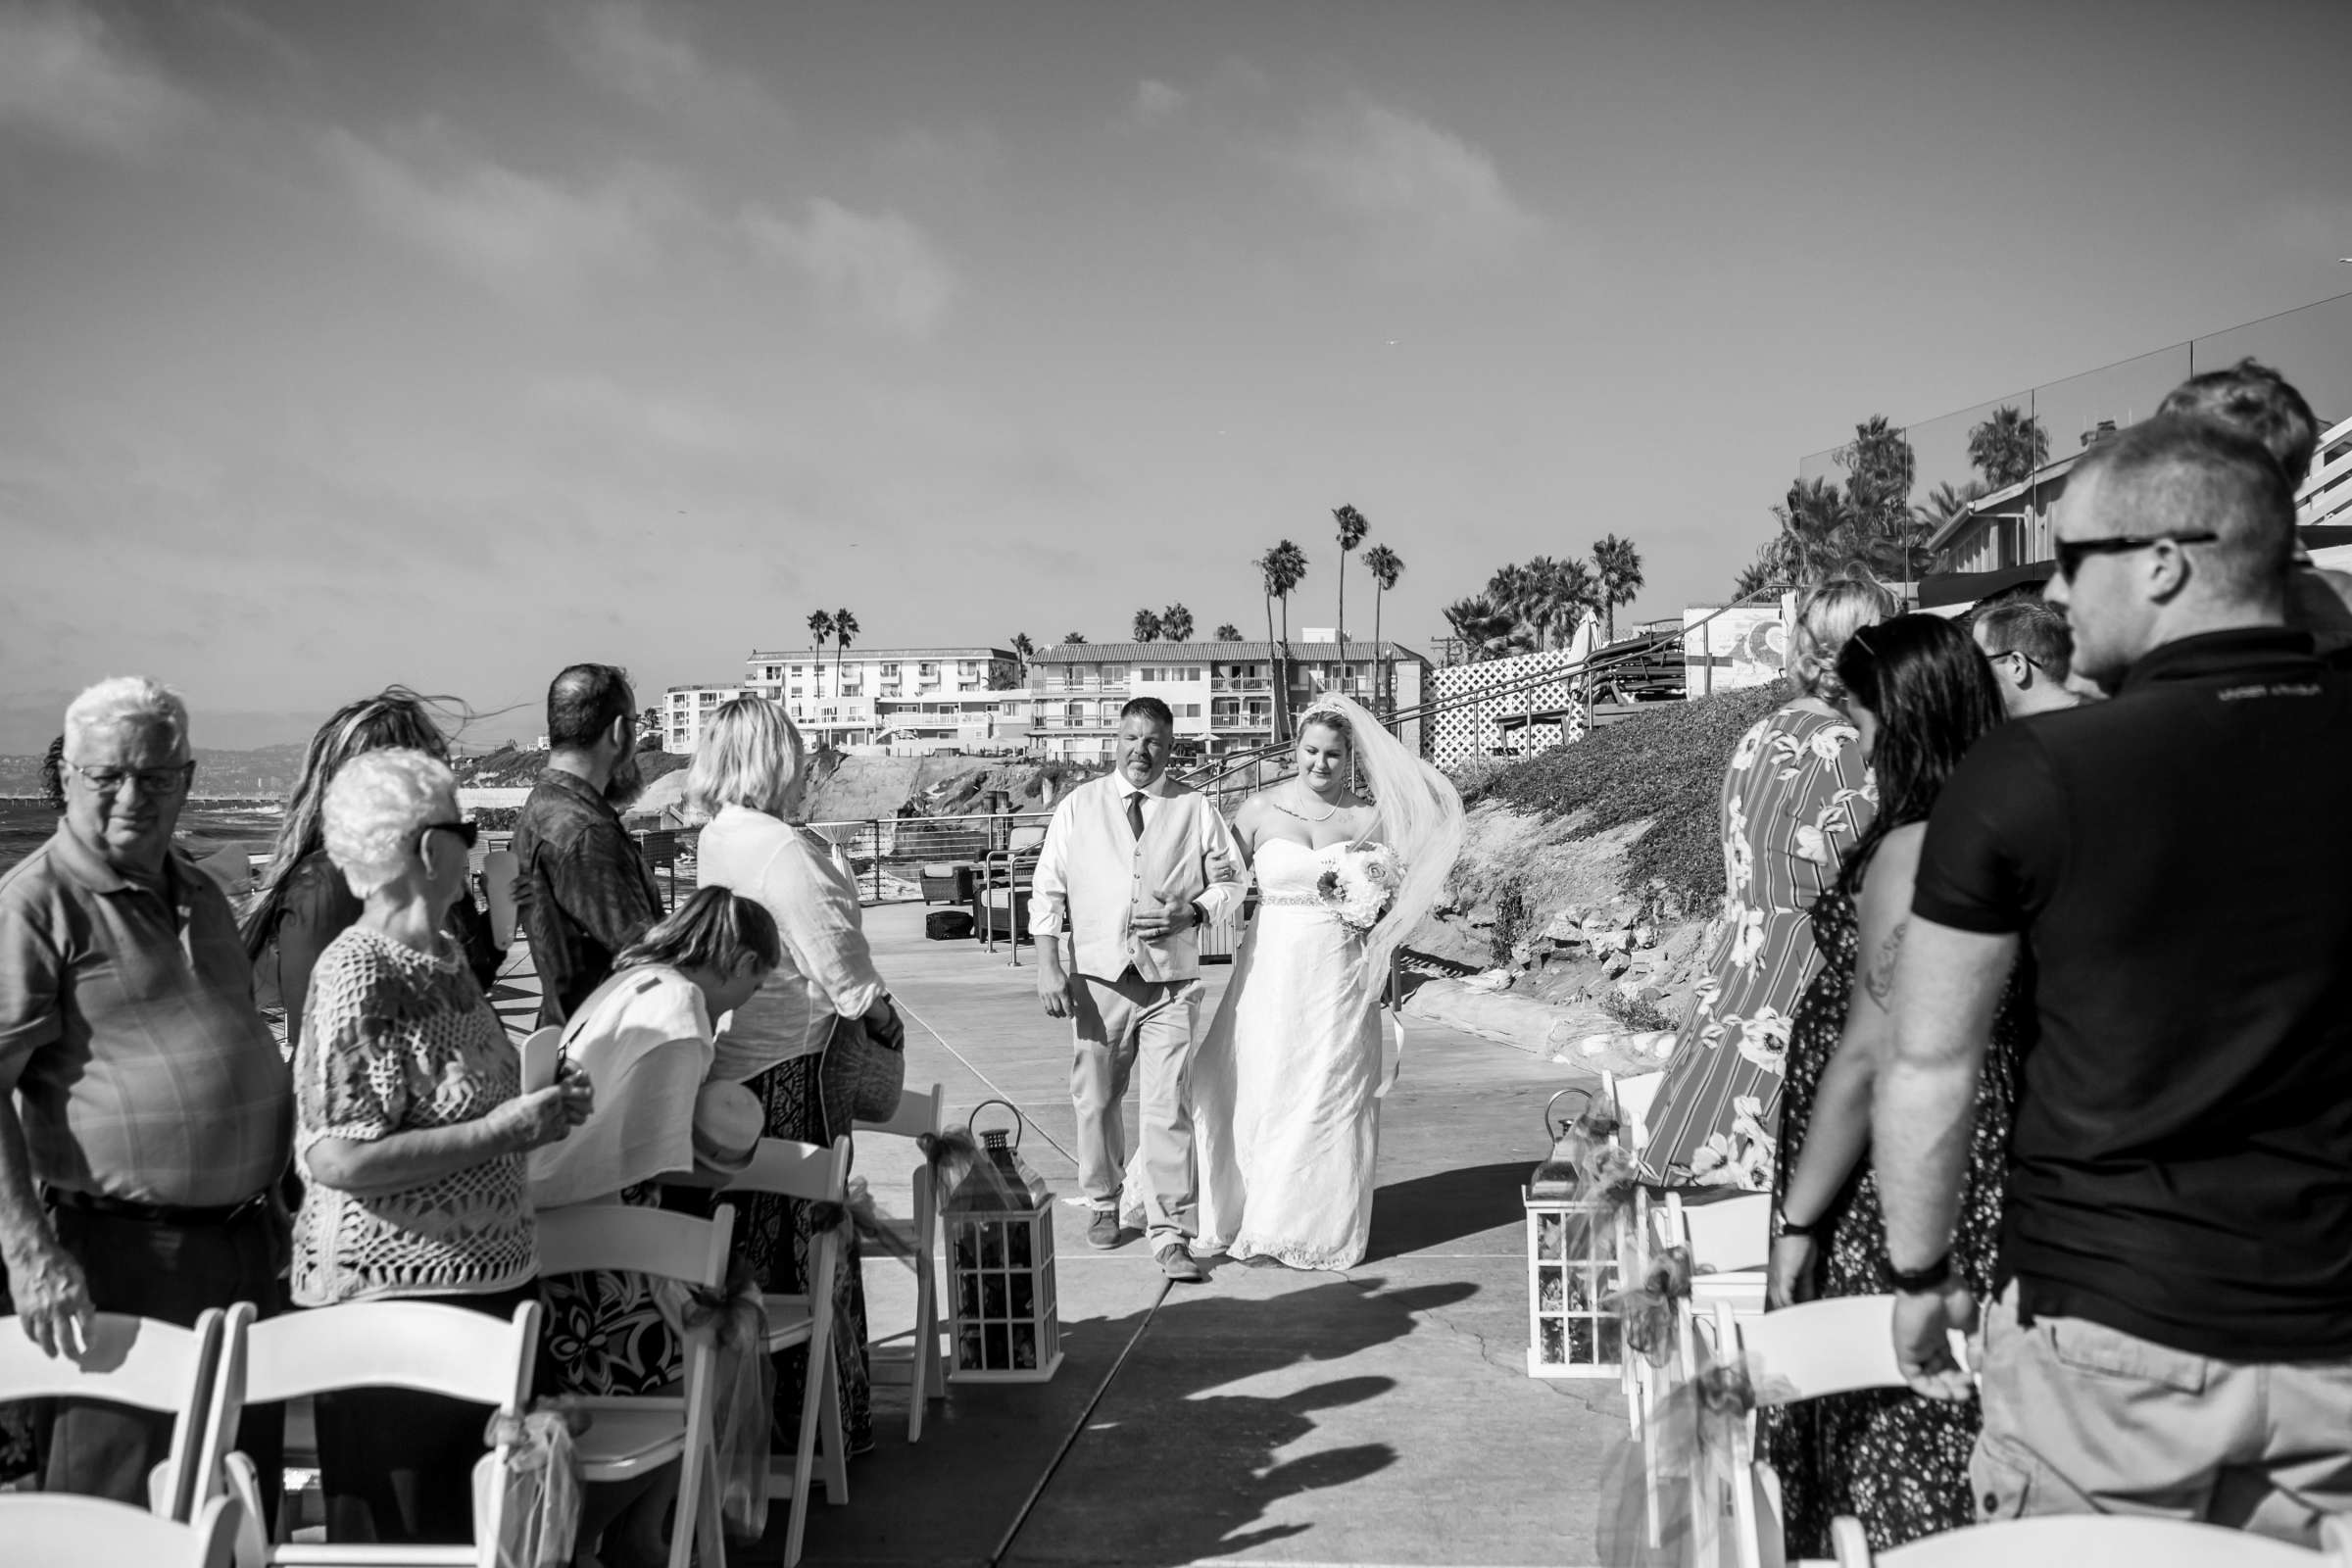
[{"x": 206, "y": 827}]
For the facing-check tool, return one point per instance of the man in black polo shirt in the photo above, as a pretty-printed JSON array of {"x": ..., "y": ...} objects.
[{"x": 2173, "y": 1334}]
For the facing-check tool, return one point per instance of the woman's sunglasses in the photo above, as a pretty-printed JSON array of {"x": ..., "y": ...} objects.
[
  {"x": 2072, "y": 553},
  {"x": 468, "y": 832}
]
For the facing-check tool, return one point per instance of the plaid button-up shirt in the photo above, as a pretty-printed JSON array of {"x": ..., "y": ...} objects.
[
  {"x": 584, "y": 892},
  {"x": 128, "y": 1032}
]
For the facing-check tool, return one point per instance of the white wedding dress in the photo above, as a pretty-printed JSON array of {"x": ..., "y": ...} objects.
[{"x": 1284, "y": 1084}]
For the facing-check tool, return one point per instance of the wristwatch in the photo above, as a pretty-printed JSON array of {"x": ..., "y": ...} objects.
[
  {"x": 1919, "y": 1281},
  {"x": 1789, "y": 1227}
]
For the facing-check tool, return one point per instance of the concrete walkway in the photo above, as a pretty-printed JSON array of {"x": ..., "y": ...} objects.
[{"x": 1383, "y": 1416}]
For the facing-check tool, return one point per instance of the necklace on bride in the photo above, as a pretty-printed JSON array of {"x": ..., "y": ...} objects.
[{"x": 1329, "y": 811}]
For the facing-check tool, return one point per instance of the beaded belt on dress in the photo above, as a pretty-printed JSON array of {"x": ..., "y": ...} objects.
[{"x": 1290, "y": 898}]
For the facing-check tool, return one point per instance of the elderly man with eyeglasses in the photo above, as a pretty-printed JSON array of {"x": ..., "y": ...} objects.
[{"x": 145, "y": 1114}]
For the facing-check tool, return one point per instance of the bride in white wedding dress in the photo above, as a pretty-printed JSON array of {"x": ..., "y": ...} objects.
[{"x": 1286, "y": 1085}]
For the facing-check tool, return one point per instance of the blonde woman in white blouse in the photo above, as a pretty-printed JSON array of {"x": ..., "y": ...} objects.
[{"x": 744, "y": 785}]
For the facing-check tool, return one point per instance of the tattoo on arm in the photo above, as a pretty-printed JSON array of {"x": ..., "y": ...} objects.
[{"x": 1879, "y": 978}]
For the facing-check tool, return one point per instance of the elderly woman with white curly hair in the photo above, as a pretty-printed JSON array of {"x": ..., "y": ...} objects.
[{"x": 410, "y": 1132}]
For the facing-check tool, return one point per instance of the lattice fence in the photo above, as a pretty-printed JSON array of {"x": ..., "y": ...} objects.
[{"x": 1467, "y": 728}]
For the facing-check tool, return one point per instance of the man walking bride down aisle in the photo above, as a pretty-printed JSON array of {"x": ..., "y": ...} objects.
[{"x": 1282, "y": 1094}]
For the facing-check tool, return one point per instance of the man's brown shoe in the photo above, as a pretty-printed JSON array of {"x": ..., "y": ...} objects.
[
  {"x": 1176, "y": 1262},
  {"x": 1103, "y": 1231}
]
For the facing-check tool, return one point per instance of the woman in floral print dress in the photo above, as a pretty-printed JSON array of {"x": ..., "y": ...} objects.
[
  {"x": 1922, "y": 695},
  {"x": 1795, "y": 798}
]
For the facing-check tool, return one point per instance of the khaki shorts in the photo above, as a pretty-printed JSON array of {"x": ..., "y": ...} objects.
[{"x": 2081, "y": 1418}]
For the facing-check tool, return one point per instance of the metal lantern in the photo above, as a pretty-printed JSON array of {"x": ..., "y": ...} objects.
[
  {"x": 1575, "y": 1261},
  {"x": 1003, "y": 1317}
]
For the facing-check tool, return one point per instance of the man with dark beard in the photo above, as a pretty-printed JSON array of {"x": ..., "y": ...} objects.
[{"x": 584, "y": 892}]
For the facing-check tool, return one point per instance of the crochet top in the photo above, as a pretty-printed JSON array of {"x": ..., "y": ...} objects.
[{"x": 396, "y": 1040}]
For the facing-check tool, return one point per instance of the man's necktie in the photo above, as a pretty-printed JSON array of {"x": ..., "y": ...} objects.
[{"x": 1135, "y": 813}]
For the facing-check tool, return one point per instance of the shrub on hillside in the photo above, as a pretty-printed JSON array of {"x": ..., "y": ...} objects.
[{"x": 1666, "y": 766}]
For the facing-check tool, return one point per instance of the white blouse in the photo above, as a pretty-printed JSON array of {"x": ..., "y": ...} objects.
[{"x": 827, "y": 971}]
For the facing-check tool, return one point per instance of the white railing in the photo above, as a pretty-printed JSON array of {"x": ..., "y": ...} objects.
[{"x": 2325, "y": 499}]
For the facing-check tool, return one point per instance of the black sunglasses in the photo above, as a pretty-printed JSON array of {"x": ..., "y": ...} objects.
[
  {"x": 468, "y": 832},
  {"x": 2072, "y": 553}
]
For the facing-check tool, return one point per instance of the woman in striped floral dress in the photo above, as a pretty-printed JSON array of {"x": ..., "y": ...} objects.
[{"x": 1795, "y": 798}]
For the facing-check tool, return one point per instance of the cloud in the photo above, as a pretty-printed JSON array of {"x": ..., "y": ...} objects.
[
  {"x": 1382, "y": 166},
  {"x": 497, "y": 224},
  {"x": 881, "y": 263},
  {"x": 615, "y": 43},
  {"x": 66, "y": 74},
  {"x": 1156, "y": 103}
]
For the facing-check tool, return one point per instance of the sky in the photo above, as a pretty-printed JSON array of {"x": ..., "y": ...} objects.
[{"x": 347, "y": 344}]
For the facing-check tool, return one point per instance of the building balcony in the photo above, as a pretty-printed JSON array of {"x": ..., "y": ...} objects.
[{"x": 1241, "y": 683}]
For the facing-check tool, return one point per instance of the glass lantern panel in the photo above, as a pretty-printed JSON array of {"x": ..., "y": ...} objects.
[
  {"x": 1555, "y": 1343},
  {"x": 1611, "y": 1341},
  {"x": 1024, "y": 1303},
  {"x": 967, "y": 1243},
  {"x": 992, "y": 1244},
  {"x": 1551, "y": 1294},
  {"x": 969, "y": 1351},
  {"x": 1018, "y": 1244},
  {"x": 992, "y": 1296},
  {"x": 1024, "y": 1347},
  {"x": 1000, "y": 1352},
  {"x": 1580, "y": 1341},
  {"x": 967, "y": 1295}
]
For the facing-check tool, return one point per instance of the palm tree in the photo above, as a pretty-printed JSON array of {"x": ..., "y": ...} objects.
[
  {"x": 2008, "y": 447},
  {"x": 1176, "y": 625},
  {"x": 1022, "y": 646},
  {"x": 1073, "y": 636},
  {"x": 1618, "y": 564},
  {"x": 1386, "y": 566},
  {"x": 1487, "y": 629},
  {"x": 1352, "y": 528},
  {"x": 844, "y": 632},
  {"x": 1769, "y": 569},
  {"x": 1146, "y": 627},
  {"x": 1821, "y": 532},
  {"x": 1553, "y": 597},
  {"x": 820, "y": 631},
  {"x": 1281, "y": 569},
  {"x": 1228, "y": 632}
]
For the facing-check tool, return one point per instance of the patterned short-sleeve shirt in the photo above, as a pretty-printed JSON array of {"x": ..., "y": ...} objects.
[{"x": 395, "y": 1040}]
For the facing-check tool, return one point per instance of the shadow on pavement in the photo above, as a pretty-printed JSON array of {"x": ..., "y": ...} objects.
[
  {"x": 1169, "y": 1470},
  {"x": 1431, "y": 1210}
]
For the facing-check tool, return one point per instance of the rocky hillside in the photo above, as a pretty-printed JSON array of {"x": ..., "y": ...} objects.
[{"x": 1589, "y": 881}]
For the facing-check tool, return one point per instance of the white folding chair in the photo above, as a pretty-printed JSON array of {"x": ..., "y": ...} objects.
[
  {"x": 139, "y": 1363},
  {"x": 54, "y": 1530},
  {"x": 501, "y": 869},
  {"x": 812, "y": 1173},
  {"x": 629, "y": 1436},
  {"x": 1839, "y": 1344},
  {"x": 1730, "y": 1247},
  {"x": 422, "y": 1345},
  {"x": 919, "y": 1115},
  {"x": 2096, "y": 1541}
]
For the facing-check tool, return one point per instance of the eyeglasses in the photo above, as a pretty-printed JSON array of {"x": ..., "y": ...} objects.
[
  {"x": 2072, "y": 553},
  {"x": 151, "y": 780},
  {"x": 468, "y": 832},
  {"x": 2018, "y": 653}
]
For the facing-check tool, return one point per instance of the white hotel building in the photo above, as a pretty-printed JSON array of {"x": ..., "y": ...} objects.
[
  {"x": 902, "y": 697},
  {"x": 1221, "y": 694}
]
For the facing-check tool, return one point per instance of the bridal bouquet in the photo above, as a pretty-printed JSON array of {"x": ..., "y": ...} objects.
[{"x": 1360, "y": 886}]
